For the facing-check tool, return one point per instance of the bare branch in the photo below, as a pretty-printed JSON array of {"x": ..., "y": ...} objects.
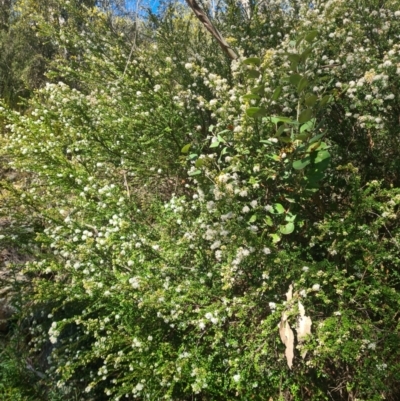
[{"x": 202, "y": 16}]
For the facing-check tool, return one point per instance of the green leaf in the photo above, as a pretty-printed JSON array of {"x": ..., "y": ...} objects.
[
  {"x": 268, "y": 221},
  {"x": 302, "y": 163},
  {"x": 287, "y": 229},
  {"x": 195, "y": 172},
  {"x": 276, "y": 94},
  {"x": 280, "y": 130},
  {"x": 199, "y": 163},
  {"x": 305, "y": 116},
  {"x": 192, "y": 156},
  {"x": 290, "y": 217},
  {"x": 302, "y": 137},
  {"x": 293, "y": 57},
  {"x": 251, "y": 96},
  {"x": 252, "y": 61},
  {"x": 279, "y": 209},
  {"x": 253, "y": 73},
  {"x": 277, "y": 120},
  {"x": 309, "y": 125},
  {"x": 214, "y": 144},
  {"x": 306, "y": 53},
  {"x": 311, "y": 99},
  {"x": 316, "y": 138},
  {"x": 275, "y": 238},
  {"x": 186, "y": 148},
  {"x": 310, "y": 36},
  {"x": 253, "y": 218},
  {"x": 256, "y": 112},
  {"x": 302, "y": 84},
  {"x": 325, "y": 100},
  {"x": 321, "y": 156},
  {"x": 294, "y": 79},
  {"x": 258, "y": 89}
]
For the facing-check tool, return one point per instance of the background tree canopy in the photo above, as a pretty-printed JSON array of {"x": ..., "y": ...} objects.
[{"x": 192, "y": 227}]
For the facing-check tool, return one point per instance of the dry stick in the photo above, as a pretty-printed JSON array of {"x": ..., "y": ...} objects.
[{"x": 202, "y": 16}]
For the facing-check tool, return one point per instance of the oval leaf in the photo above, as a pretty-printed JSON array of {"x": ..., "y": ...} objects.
[
  {"x": 199, "y": 163},
  {"x": 186, "y": 148},
  {"x": 294, "y": 79},
  {"x": 253, "y": 73},
  {"x": 279, "y": 208},
  {"x": 277, "y": 92},
  {"x": 252, "y": 61},
  {"x": 256, "y": 112},
  {"x": 251, "y": 96},
  {"x": 302, "y": 163},
  {"x": 287, "y": 229},
  {"x": 305, "y": 116},
  {"x": 302, "y": 84},
  {"x": 311, "y": 36},
  {"x": 325, "y": 100},
  {"x": 310, "y": 100}
]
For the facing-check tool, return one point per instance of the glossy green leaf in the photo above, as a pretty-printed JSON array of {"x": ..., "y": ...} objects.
[
  {"x": 305, "y": 116},
  {"x": 252, "y": 61},
  {"x": 268, "y": 221},
  {"x": 309, "y": 125},
  {"x": 186, "y": 148},
  {"x": 275, "y": 238},
  {"x": 192, "y": 156},
  {"x": 287, "y": 229},
  {"x": 301, "y": 163},
  {"x": 256, "y": 112},
  {"x": 290, "y": 217},
  {"x": 253, "y": 218},
  {"x": 321, "y": 156},
  {"x": 214, "y": 144},
  {"x": 279, "y": 209},
  {"x": 195, "y": 172}
]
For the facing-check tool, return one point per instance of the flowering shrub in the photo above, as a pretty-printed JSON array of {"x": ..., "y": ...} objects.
[{"x": 188, "y": 207}]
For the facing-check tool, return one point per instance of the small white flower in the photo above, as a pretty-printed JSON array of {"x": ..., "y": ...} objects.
[
  {"x": 267, "y": 251},
  {"x": 245, "y": 209},
  {"x": 236, "y": 378},
  {"x": 316, "y": 287}
]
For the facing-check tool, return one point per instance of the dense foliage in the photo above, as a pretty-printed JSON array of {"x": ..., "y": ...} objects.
[{"x": 179, "y": 206}]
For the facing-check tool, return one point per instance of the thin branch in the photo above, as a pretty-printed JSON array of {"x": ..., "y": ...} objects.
[{"x": 202, "y": 17}]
